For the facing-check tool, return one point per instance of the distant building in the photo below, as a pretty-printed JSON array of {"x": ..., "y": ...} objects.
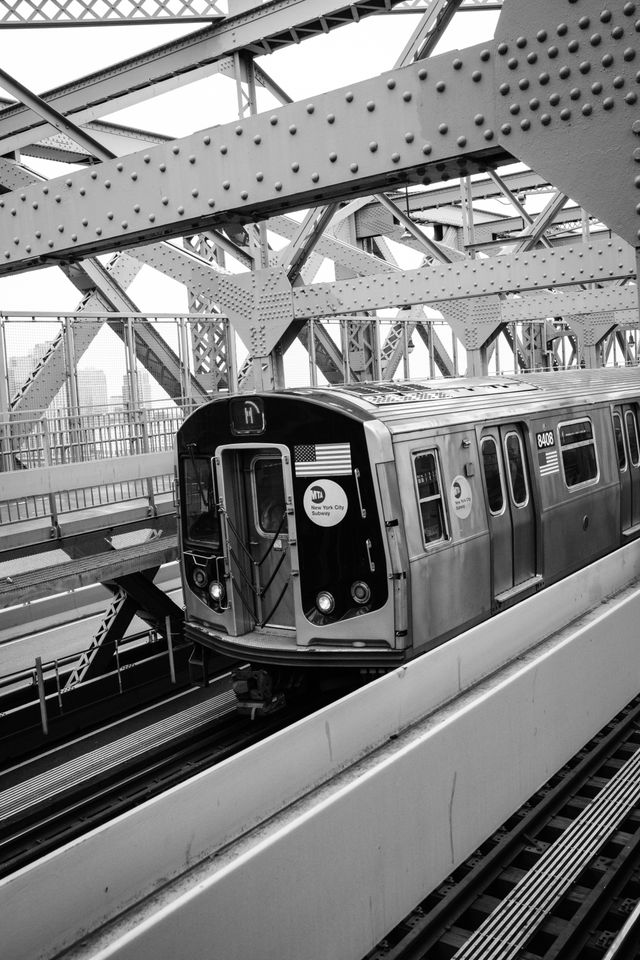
[
  {"x": 144, "y": 387},
  {"x": 92, "y": 389}
]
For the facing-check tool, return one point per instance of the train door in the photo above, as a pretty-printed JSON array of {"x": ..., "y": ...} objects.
[
  {"x": 625, "y": 425},
  {"x": 258, "y": 543},
  {"x": 511, "y": 513}
]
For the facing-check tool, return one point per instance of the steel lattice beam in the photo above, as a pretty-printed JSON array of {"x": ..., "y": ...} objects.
[{"x": 69, "y": 13}]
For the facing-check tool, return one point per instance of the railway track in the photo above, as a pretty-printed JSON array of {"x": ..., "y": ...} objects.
[
  {"x": 560, "y": 880},
  {"x": 41, "y": 809}
]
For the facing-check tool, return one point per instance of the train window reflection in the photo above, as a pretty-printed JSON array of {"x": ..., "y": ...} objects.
[
  {"x": 492, "y": 476},
  {"x": 269, "y": 495},
  {"x": 632, "y": 436},
  {"x": 429, "y": 485},
  {"x": 617, "y": 431},
  {"x": 579, "y": 458},
  {"x": 517, "y": 470},
  {"x": 202, "y": 521}
]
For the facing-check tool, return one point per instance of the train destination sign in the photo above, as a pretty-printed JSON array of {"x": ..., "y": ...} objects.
[{"x": 247, "y": 416}]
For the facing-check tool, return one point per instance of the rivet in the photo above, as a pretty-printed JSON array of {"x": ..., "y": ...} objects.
[
  {"x": 16, "y": 240},
  {"x": 476, "y": 76},
  {"x": 608, "y": 103},
  {"x": 564, "y": 72},
  {"x": 618, "y": 82},
  {"x": 295, "y": 166},
  {"x": 512, "y": 63},
  {"x": 534, "y": 103},
  {"x": 502, "y": 48},
  {"x": 636, "y": 127},
  {"x": 165, "y": 201},
  {"x": 543, "y": 79},
  {"x": 176, "y": 150},
  {"x": 349, "y": 97},
  {"x": 353, "y": 167},
  {"x": 310, "y": 108},
  {"x": 110, "y": 215},
  {"x": 406, "y": 96},
  {"x": 225, "y": 185},
  {"x": 488, "y": 134},
  {"x": 162, "y": 168},
  {"x": 605, "y": 16},
  {"x": 28, "y": 248},
  {"x": 315, "y": 177},
  {"x": 562, "y": 29},
  {"x": 587, "y": 109},
  {"x": 206, "y": 140},
  {"x": 575, "y": 94},
  {"x": 7, "y": 255},
  {"x": 525, "y": 124},
  {"x": 523, "y": 84},
  {"x": 93, "y": 175},
  {"x": 514, "y": 109},
  {"x": 596, "y": 87},
  {"x": 462, "y": 141},
  {"x": 607, "y": 60},
  {"x": 629, "y": 54},
  {"x": 260, "y": 176},
  {"x": 443, "y": 128},
  {"x": 457, "y": 64},
  {"x": 278, "y": 186},
  {"x": 273, "y": 120},
  {"x": 584, "y": 67},
  {"x": 85, "y": 222},
  {"x": 293, "y": 129},
  {"x": 34, "y": 205},
  {"x": 422, "y": 74},
  {"x": 243, "y": 196},
  {"x": 506, "y": 128},
  {"x": 373, "y": 146},
  {"x": 99, "y": 231},
  {"x": 331, "y": 117},
  {"x": 58, "y": 200},
  {"x": 427, "y": 149},
  {"x": 636, "y": 154},
  {"x": 584, "y": 22},
  {"x": 629, "y": 9},
  {"x": 395, "y": 157},
  {"x": 391, "y": 83},
  {"x": 565, "y": 114},
  {"x": 441, "y": 86},
  {"x": 119, "y": 167},
  {"x": 504, "y": 89},
  {"x": 552, "y": 52},
  {"x": 238, "y": 133},
  {"x": 195, "y": 192},
  {"x": 617, "y": 33},
  {"x": 636, "y": 182},
  {"x": 532, "y": 57},
  {"x": 631, "y": 97},
  {"x": 541, "y": 36},
  {"x": 136, "y": 208},
  {"x": 521, "y": 42},
  {"x": 573, "y": 46},
  {"x": 124, "y": 224},
  {"x": 554, "y": 99},
  {"x": 152, "y": 218},
  {"x": 371, "y": 106},
  {"x": 485, "y": 55},
  {"x": 38, "y": 234},
  {"x": 478, "y": 119},
  {"x": 545, "y": 119}
]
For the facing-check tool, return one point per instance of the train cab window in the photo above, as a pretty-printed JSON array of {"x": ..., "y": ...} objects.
[
  {"x": 492, "y": 476},
  {"x": 268, "y": 486},
  {"x": 620, "y": 448},
  {"x": 202, "y": 521},
  {"x": 632, "y": 436},
  {"x": 429, "y": 486},
  {"x": 517, "y": 471},
  {"x": 579, "y": 458}
]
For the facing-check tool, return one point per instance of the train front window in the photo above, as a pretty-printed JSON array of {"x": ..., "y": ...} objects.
[
  {"x": 491, "y": 466},
  {"x": 429, "y": 485},
  {"x": 270, "y": 501},
  {"x": 201, "y": 519},
  {"x": 579, "y": 458},
  {"x": 517, "y": 472}
]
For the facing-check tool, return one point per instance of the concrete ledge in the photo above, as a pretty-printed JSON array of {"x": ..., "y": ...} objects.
[{"x": 382, "y": 821}]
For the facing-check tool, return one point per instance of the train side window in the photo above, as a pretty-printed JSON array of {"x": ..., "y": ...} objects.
[
  {"x": 201, "y": 518},
  {"x": 632, "y": 436},
  {"x": 617, "y": 432},
  {"x": 492, "y": 476},
  {"x": 517, "y": 474},
  {"x": 429, "y": 486},
  {"x": 579, "y": 458}
]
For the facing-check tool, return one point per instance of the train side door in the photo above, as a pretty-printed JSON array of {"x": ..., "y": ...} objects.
[
  {"x": 625, "y": 422},
  {"x": 510, "y": 508}
]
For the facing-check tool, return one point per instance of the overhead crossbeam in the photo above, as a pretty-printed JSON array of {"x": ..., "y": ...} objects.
[{"x": 70, "y": 13}]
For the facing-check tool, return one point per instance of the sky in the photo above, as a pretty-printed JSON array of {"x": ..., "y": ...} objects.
[{"x": 42, "y": 59}]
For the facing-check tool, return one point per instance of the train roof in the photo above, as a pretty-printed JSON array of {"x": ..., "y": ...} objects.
[{"x": 401, "y": 404}]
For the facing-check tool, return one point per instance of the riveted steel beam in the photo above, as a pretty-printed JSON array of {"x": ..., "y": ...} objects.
[
  {"x": 69, "y": 13},
  {"x": 265, "y": 28},
  {"x": 572, "y": 300}
]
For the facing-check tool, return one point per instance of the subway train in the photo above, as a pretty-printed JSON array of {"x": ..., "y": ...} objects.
[{"x": 359, "y": 526}]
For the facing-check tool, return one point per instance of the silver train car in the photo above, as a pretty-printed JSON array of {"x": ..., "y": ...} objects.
[{"x": 360, "y": 526}]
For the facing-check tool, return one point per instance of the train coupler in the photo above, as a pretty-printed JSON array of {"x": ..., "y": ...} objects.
[{"x": 255, "y": 692}]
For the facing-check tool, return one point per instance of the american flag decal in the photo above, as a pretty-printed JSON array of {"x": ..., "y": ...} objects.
[
  {"x": 548, "y": 462},
  {"x": 322, "y": 459}
]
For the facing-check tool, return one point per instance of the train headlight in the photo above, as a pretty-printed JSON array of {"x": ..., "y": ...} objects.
[
  {"x": 216, "y": 591},
  {"x": 199, "y": 578},
  {"x": 361, "y": 592},
  {"x": 325, "y": 602}
]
